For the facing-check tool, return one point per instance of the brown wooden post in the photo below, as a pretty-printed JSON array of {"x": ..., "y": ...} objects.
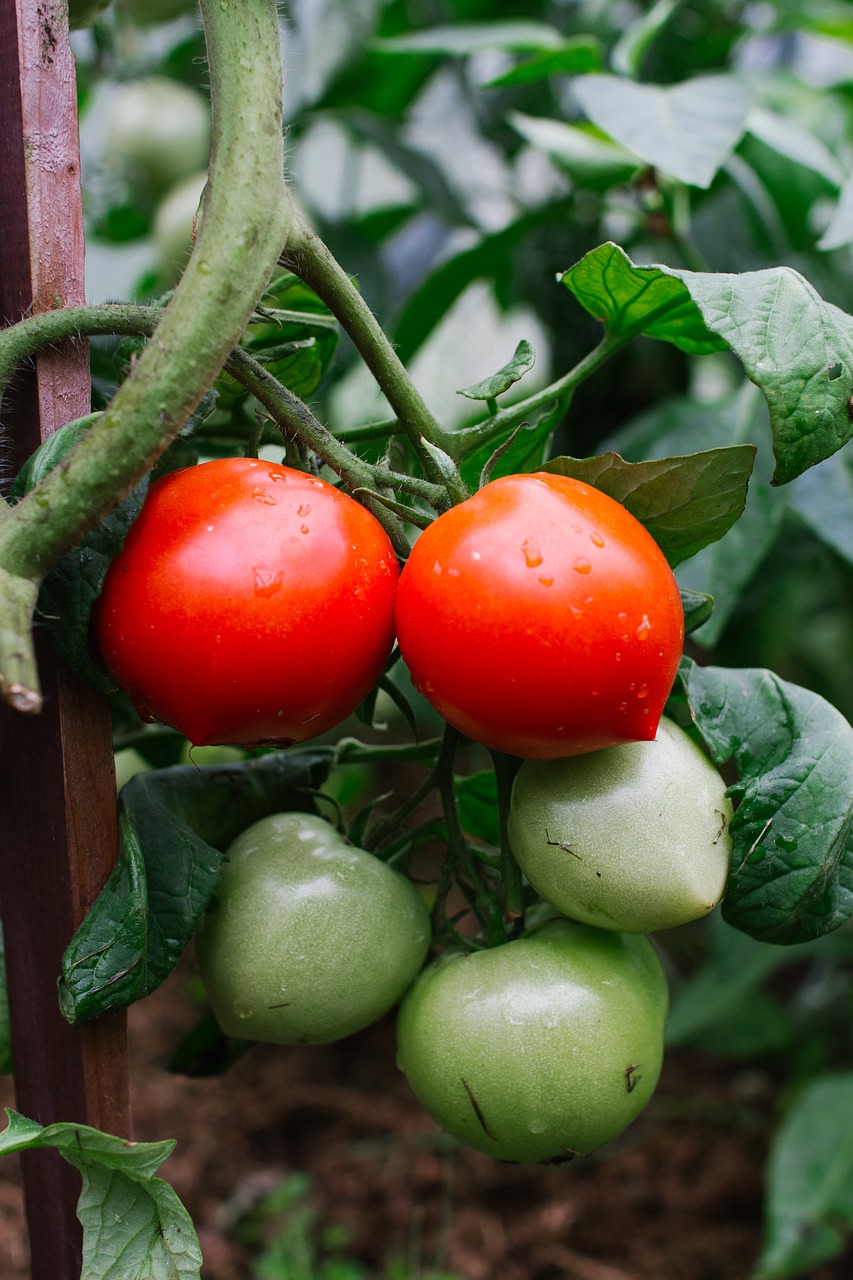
[{"x": 57, "y": 786}]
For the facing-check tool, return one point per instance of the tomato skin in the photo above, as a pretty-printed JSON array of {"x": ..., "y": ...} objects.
[
  {"x": 251, "y": 604},
  {"x": 633, "y": 838},
  {"x": 542, "y": 1048},
  {"x": 307, "y": 939},
  {"x": 157, "y": 132},
  {"x": 541, "y": 619}
]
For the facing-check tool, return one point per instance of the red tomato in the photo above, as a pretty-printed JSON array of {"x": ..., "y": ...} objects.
[
  {"x": 251, "y": 604},
  {"x": 541, "y": 619}
]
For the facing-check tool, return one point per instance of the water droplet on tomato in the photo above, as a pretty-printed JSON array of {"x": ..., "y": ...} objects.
[
  {"x": 532, "y": 554},
  {"x": 263, "y": 495},
  {"x": 642, "y": 692},
  {"x": 581, "y": 565},
  {"x": 303, "y": 528},
  {"x": 304, "y": 509},
  {"x": 644, "y": 628},
  {"x": 267, "y": 581},
  {"x": 546, "y": 581},
  {"x": 436, "y": 568},
  {"x": 575, "y": 611},
  {"x": 597, "y": 539}
]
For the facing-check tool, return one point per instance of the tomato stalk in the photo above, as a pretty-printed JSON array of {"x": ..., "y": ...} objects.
[
  {"x": 557, "y": 395},
  {"x": 310, "y": 259},
  {"x": 246, "y": 221}
]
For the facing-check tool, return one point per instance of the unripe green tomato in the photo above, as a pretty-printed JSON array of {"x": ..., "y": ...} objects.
[
  {"x": 543, "y": 1048},
  {"x": 634, "y": 837},
  {"x": 307, "y": 938},
  {"x": 173, "y": 226},
  {"x": 158, "y": 132}
]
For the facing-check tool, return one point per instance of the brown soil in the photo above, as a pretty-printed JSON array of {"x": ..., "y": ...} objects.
[{"x": 677, "y": 1198}]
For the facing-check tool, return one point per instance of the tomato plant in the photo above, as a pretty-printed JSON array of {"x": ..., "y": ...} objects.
[
  {"x": 251, "y": 604},
  {"x": 542, "y": 1049},
  {"x": 634, "y": 837},
  {"x": 541, "y": 619},
  {"x": 307, "y": 938}
]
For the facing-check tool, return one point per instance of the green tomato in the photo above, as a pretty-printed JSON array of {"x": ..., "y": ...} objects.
[
  {"x": 543, "y": 1048},
  {"x": 307, "y": 938},
  {"x": 173, "y": 226},
  {"x": 157, "y": 132},
  {"x": 633, "y": 838}
]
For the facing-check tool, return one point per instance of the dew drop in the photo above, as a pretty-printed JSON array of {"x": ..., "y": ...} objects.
[
  {"x": 582, "y": 566},
  {"x": 304, "y": 510},
  {"x": 303, "y": 528},
  {"x": 263, "y": 495},
  {"x": 531, "y": 552},
  {"x": 575, "y": 611},
  {"x": 644, "y": 628},
  {"x": 436, "y": 568},
  {"x": 643, "y": 692},
  {"x": 597, "y": 539},
  {"x": 267, "y": 581},
  {"x": 623, "y": 706},
  {"x": 577, "y": 528},
  {"x": 546, "y": 581}
]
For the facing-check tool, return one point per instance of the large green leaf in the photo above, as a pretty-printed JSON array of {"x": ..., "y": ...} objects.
[
  {"x": 631, "y": 300},
  {"x": 133, "y": 1222},
  {"x": 792, "y": 862},
  {"x": 590, "y": 160},
  {"x": 797, "y": 348},
  {"x": 174, "y": 825},
  {"x": 809, "y": 1211},
  {"x": 466, "y": 38},
  {"x": 688, "y": 130},
  {"x": 685, "y": 503}
]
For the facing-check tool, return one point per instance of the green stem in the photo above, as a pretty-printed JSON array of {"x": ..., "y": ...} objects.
[
  {"x": 246, "y": 220},
  {"x": 556, "y": 394},
  {"x": 309, "y": 258},
  {"x": 505, "y": 769}
]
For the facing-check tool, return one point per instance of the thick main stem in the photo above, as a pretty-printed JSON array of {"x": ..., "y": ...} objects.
[{"x": 246, "y": 221}]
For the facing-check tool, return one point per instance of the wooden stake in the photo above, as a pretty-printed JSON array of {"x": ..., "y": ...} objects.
[{"x": 57, "y": 785}]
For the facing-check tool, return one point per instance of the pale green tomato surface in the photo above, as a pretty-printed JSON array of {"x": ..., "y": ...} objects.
[
  {"x": 158, "y": 132},
  {"x": 173, "y": 226},
  {"x": 307, "y": 938},
  {"x": 634, "y": 837},
  {"x": 543, "y": 1048}
]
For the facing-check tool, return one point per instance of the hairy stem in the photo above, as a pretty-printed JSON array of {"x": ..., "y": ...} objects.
[
  {"x": 246, "y": 220},
  {"x": 309, "y": 258}
]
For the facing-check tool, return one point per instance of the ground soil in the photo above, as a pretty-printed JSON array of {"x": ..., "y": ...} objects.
[{"x": 679, "y": 1197}]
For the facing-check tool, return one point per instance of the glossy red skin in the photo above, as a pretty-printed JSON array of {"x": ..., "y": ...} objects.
[
  {"x": 251, "y": 604},
  {"x": 541, "y": 619}
]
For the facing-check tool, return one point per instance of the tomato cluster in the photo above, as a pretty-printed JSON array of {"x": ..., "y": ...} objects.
[{"x": 256, "y": 604}]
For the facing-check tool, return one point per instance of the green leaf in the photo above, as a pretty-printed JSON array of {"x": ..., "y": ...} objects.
[
  {"x": 823, "y": 499},
  {"x": 688, "y": 130},
  {"x": 490, "y": 388},
  {"x": 685, "y": 503},
  {"x": 809, "y": 1208},
  {"x": 174, "y": 825},
  {"x": 575, "y": 56},
  {"x": 795, "y": 347},
  {"x": 524, "y": 449},
  {"x": 839, "y": 232},
  {"x": 589, "y": 159},
  {"x": 794, "y": 143},
  {"x": 629, "y": 52},
  {"x": 466, "y": 38},
  {"x": 631, "y": 300},
  {"x": 477, "y": 799},
  {"x": 133, "y": 1222},
  {"x": 792, "y": 862},
  {"x": 697, "y": 608}
]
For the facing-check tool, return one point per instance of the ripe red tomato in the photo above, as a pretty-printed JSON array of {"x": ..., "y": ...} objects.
[
  {"x": 541, "y": 619},
  {"x": 251, "y": 604}
]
